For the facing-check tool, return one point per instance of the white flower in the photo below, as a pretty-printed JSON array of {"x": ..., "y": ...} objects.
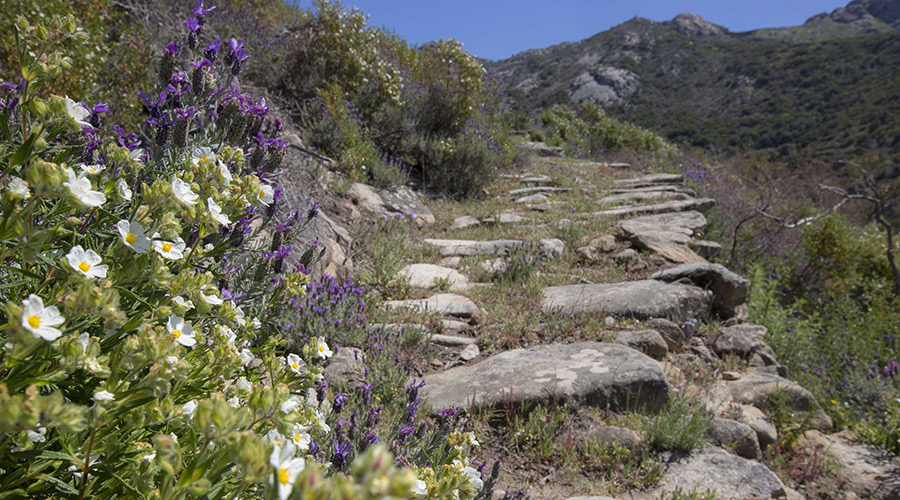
[
  {"x": 84, "y": 339},
  {"x": 189, "y": 408},
  {"x": 182, "y": 191},
  {"x": 149, "y": 458},
  {"x": 81, "y": 189},
  {"x": 37, "y": 436},
  {"x": 181, "y": 330},
  {"x": 133, "y": 236},
  {"x": 216, "y": 212},
  {"x": 226, "y": 174},
  {"x": 266, "y": 195},
  {"x": 203, "y": 154},
  {"x": 212, "y": 300},
  {"x": 255, "y": 323},
  {"x": 77, "y": 112},
  {"x": 300, "y": 437},
  {"x": 40, "y": 320},
  {"x": 239, "y": 315},
  {"x": 19, "y": 188},
  {"x": 322, "y": 348},
  {"x": 171, "y": 360},
  {"x": 246, "y": 357},
  {"x": 104, "y": 396},
  {"x": 123, "y": 189},
  {"x": 243, "y": 385},
  {"x": 474, "y": 477},
  {"x": 320, "y": 419},
  {"x": 92, "y": 169},
  {"x": 420, "y": 488},
  {"x": 291, "y": 404},
  {"x": 287, "y": 468},
  {"x": 86, "y": 262},
  {"x": 273, "y": 436},
  {"x": 296, "y": 364},
  {"x": 170, "y": 250},
  {"x": 228, "y": 333},
  {"x": 472, "y": 440},
  {"x": 234, "y": 402},
  {"x": 183, "y": 303}
]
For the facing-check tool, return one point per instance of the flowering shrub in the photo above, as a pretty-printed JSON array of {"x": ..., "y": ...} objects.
[{"x": 138, "y": 360}]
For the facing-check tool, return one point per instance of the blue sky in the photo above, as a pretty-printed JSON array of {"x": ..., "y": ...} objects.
[{"x": 496, "y": 29}]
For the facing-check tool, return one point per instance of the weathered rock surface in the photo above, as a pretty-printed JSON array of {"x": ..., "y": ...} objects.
[
  {"x": 465, "y": 221},
  {"x": 744, "y": 341},
  {"x": 728, "y": 476},
  {"x": 672, "y": 242},
  {"x": 649, "y": 342},
  {"x": 504, "y": 218},
  {"x": 347, "y": 368},
  {"x": 699, "y": 204},
  {"x": 650, "y": 180},
  {"x": 690, "y": 219},
  {"x": 671, "y": 333},
  {"x": 448, "y": 304},
  {"x": 643, "y": 299},
  {"x": 533, "y": 198},
  {"x": 402, "y": 199},
  {"x": 541, "y": 149},
  {"x": 538, "y": 189},
  {"x": 869, "y": 472},
  {"x": 597, "y": 247},
  {"x": 536, "y": 179},
  {"x": 430, "y": 276},
  {"x": 470, "y": 352},
  {"x": 729, "y": 288},
  {"x": 736, "y": 436},
  {"x": 451, "y": 340},
  {"x": 586, "y": 373},
  {"x": 641, "y": 196},
  {"x": 671, "y": 188},
  {"x": 612, "y": 435},
  {"x": 552, "y": 247},
  {"x": 766, "y": 432},
  {"x": 759, "y": 387}
]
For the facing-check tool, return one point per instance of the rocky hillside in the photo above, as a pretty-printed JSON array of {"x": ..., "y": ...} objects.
[{"x": 823, "y": 90}]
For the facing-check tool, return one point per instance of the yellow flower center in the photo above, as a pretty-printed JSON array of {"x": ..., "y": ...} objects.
[
  {"x": 295, "y": 366},
  {"x": 167, "y": 247},
  {"x": 262, "y": 194},
  {"x": 34, "y": 320},
  {"x": 296, "y": 438},
  {"x": 130, "y": 238},
  {"x": 283, "y": 475},
  {"x": 176, "y": 333},
  {"x": 204, "y": 159},
  {"x": 321, "y": 348},
  {"x": 84, "y": 266}
]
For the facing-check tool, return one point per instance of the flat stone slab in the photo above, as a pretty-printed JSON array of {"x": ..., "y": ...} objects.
[
  {"x": 505, "y": 218},
  {"x": 448, "y": 304},
  {"x": 728, "y": 476},
  {"x": 650, "y": 180},
  {"x": 552, "y": 247},
  {"x": 430, "y": 276},
  {"x": 699, "y": 204},
  {"x": 729, "y": 289},
  {"x": 672, "y": 242},
  {"x": 690, "y": 219},
  {"x": 642, "y": 196},
  {"x": 582, "y": 374},
  {"x": 642, "y": 299},
  {"x": 536, "y": 179},
  {"x": 533, "y": 198},
  {"x": 538, "y": 189},
  {"x": 760, "y": 386},
  {"x": 465, "y": 221},
  {"x": 451, "y": 340},
  {"x": 672, "y": 188},
  {"x": 869, "y": 471}
]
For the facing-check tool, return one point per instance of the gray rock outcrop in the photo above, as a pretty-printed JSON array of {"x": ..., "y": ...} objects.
[{"x": 643, "y": 299}]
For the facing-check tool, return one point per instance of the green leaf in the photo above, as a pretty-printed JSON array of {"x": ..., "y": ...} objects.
[
  {"x": 61, "y": 486},
  {"x": 55, "y": 455},
  {"x": 16, "y": 493},
  {"x": 132, "y": 489},
  {"x": 24, "y": 151}
]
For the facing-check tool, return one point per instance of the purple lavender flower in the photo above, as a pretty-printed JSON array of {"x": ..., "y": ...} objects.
[
  {"x": 172, "y": 49},
  {"x": 341, "y": 454},
  {"x": 200, "y": 12},
  {"x": 211, "y": 51}
]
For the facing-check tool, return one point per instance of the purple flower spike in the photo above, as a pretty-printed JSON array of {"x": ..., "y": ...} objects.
[
  {"x": 172, "y": 49},
  {"x": 193, "y": 25},
  {"x": 184, "y": 114},
  {"x": 199, "y": 11},
  {"x": 212, "y": 50},
  {"x": 100, "y": 107}
]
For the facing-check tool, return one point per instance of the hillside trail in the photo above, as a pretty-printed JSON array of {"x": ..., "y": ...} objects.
[{"x": 589, "y": 286}]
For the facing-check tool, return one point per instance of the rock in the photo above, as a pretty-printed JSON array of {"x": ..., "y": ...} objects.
[
  {"x": 504, "y": 218},
  {"x": 534, "y": 198},
  {"x": 541, "y": 149},
  {"x": 674, "y": 374},
  {"x": 744, "y": 341},
  {"x": 552, "y": 248},
  {"x": 729, "y": 289},
  {"x": 596, "y": 247},
  {"x": 736, "y": 436},
  {"x": 464, "y": 222},
  {"x": 429, "y": 276},
  {"x": 642, "y": 196},
  {"x": 706, "y": 249},
  {"x": 493, "y": 266},
  {"x": 538, "y": 189},
  {"x": 713, "y": 398},
  {"x": 700, "y": 204},
  {"x": 671, "y": 333},
  {"x": 470, "y": 352},
  {"x": 586, "y": 373},
  {"x": 543, "y": 207},
  {"x": 399, "y": 199},
  {"x": 671, "y": 242},
  {"x": 625, "y": 256},
  {"x": 451, "y": 341},
  {"x": 449, "y": 325},
  {"x": 690, "y": 219},
  {"x": 671, "y": 188},
  {"x": 650, "y": 180},
  {"x": 649, "y": 342},
  {"x": 591, "y": 498},
  {"x": 869, "y": 472},
  {"x": 536, "y": 179},
  {"x": 766, "y": 432},
  {"x": 452, "y": 262},
  {"x": 346, "y": 369},
  {"x": 731, "y": 375},
  {"x": 759, "y": 387},
  {"x": 632, "y": 299},
  {"x": 727, "y": 476},
  {"x": 448, "y": 304},
  {"x": 611, "y": 435}
]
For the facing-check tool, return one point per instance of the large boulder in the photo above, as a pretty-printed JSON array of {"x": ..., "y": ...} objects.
[
  {"x": 729, "y": 289},
  {"x": 372, "y": 201},
  {"x": 736, "y": 436},
  {"x": 552, "y": 248},
  {"x": 430, "y": 276},
  {"x": 672, "y": 242},
  {"x": 762, "y": 388},
  {"x": 642, "y": 299},
  {"x": 582, "y": 374},
  {"x": 745, "y": 341},
  {"x": 727, "y": 476},
  {"x": 868, "y": 471}
]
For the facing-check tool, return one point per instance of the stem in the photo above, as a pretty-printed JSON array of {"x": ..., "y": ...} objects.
[{"x": 87, "y": 465}]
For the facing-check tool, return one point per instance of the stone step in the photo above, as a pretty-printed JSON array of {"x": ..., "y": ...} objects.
[
  {"x": 429, "y": 276},
  {"x": 672, "y": 188},
  {"x": 698, "y": 204},
  {"x": 643, "y": 196},
  {"x": 538, "y": 189},
  {"x": 447, "y": 304},
  {"x": 650, "y": 180},
  {"x": 690, "y": 219},
  {"x": 451, "y": 340},
  {"x": 581, "y": 374},
  {"x": 552, "y": 248},
  {"x": 642, "y": 299},
  {"x": 533, "y": 198}
]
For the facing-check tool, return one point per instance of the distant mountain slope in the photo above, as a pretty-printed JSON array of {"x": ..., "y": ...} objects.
[{"x": 829, "y": 88}]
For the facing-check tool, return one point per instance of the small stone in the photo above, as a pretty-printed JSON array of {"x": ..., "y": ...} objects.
[
  {"x": 649, "y": 342},
  {"x": 627, "y": 255},
  {"x": 671, "y": 333},
  {"x": 740, "y": 437},
  {"x": 451, "y": 262},
  {"x": 437, "y": 364},
  {"x": 464, "y": 222},
  {"x": 470, "y": 352},
  {"x": 534, "y": 198},
  {"x": 451, "y": 341},
  {"x": 731, "y": 375},
  {"x": 450, "y": 325}
]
